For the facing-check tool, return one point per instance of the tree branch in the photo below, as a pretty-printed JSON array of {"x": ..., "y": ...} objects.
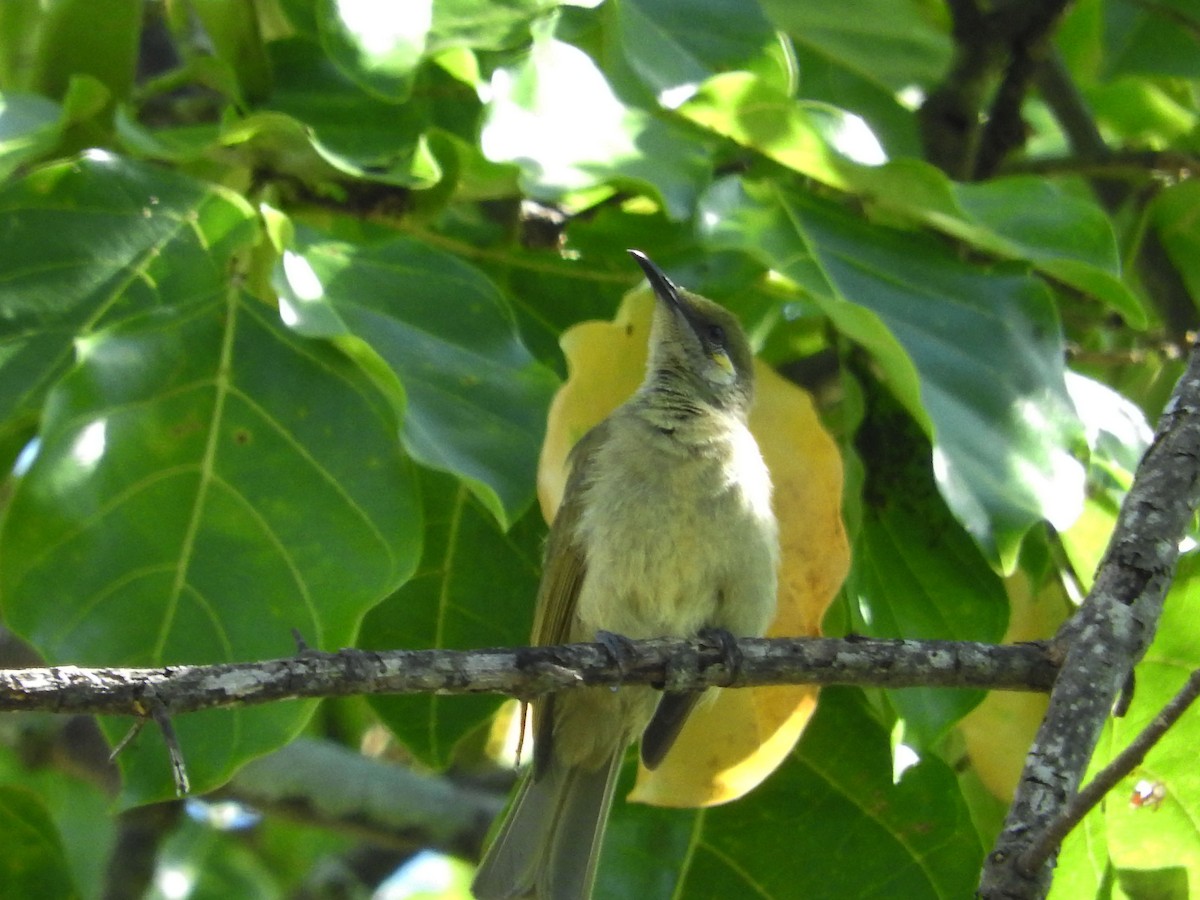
[
  {"x": 1106, "y": 638},
  {"x": 998, "y": 42},
  {"x": 326, "y": 784},
  {"x": 529, "y": 671}
]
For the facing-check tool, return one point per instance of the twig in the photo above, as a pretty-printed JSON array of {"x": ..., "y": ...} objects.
[
  {"x": 134, "y": 730},
  {"x": 1106, "y": 638},
  {"x": 1165, "y": 166},
  {"x": 1106, "y": 779},
  {"x": 150, "y": 707},
  {"x": 178, "y": 767}
]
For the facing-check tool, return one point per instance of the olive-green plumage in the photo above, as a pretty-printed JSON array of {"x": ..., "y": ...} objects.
[{"x": 665, "y": 529}]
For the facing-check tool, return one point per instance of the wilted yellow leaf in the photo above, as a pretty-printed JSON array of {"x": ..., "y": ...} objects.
[
  {"x": 734, "y": 741},
  {"x": 999, "y": 730}
]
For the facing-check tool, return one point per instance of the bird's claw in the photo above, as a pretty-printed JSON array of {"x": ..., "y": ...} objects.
[
  {"x": 722, "y": 639},
  {"x": 619, "y": 647}
]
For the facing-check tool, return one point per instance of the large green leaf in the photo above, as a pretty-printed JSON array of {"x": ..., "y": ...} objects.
[
  {"x": 1063, "y": 235},
  {"x": 674, "y": 45},
  {"x": 378, "y": 46},
  {"x": 985, "y": 345},
  {"x": 193, "y": 496},
  {"x": 476, "y": 399},
  {"x": 1154, "y": 40},
  {"x": 81, "y": 823},
  {"x": 357, "y": 132},
  {"x": 889, "y": 42},
  {"x": 32, "y": 863},
  {"x": 555, "y": 115},
  {"x": 830, "y": 823},
  {"x": 1175, "y": 212},
  {"x": 917, "y": 573},
  {"x": 475, "y": 587},
  {"x": 194, "y": 499},
  {"x": 1156, "y": 845},
  {"x": 81, "y": 37},
  {"x": 1083, "y": 870},
  {"x": 863, "y": 57},
  {"x": 90, "y": 243},
  {"x": 487, "y": 24},
  {"x": 29, "y": 126}
]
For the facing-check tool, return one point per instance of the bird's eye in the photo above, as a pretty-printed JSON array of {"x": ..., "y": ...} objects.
[{"x": 716, "y": 334}]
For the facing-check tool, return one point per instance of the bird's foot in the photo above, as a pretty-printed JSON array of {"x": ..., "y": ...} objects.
[
  {"x": 619, "y": 647},
  {"x": 722, "y": 639}
]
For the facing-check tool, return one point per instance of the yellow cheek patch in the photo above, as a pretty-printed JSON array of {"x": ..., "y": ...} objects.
[{"x": 724, "y": 364}]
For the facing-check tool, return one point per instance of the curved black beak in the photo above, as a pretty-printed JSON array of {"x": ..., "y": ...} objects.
[{"x": 663, "y": 287}]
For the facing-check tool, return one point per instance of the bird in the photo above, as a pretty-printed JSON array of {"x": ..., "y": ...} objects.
[{"x": 665, "y": 530}]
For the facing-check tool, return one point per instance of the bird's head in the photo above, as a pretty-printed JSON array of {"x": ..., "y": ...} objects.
[{"x": 698, "y": 350}]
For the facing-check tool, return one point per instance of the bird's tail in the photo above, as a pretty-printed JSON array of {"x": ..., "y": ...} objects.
[{"x": 549, "y": 843}]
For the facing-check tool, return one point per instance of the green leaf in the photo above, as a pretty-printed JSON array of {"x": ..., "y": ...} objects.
[
  {"x": 916, "y": 573},
  {"x": 486, "y": 24},
  {"x": 1065, "y": 236},
  {"x": 673, "y": 45},
  {"x": 556, "y": 116},
  {"x": 29, "y": 127},
  {"x": 1143, "y": 113},
  {"x": 889, "y": 42},
  {"x": 1003, "y": 422},
  {"x": 476, "y": 587},
  {"x": 233, "y": 29},
  {"x": 476, "y": 399},
  {"x": 1174, "y": 212},
  {"x": 32, "y": 863},
  {"x": 194, "y": 499},
  {"x": 747, "y": 110},
  {"x": 378, "y": 46},
  {"x": 1146, "y": 842},
  {"x": 986, "y": 346},
  {"x": 93, "y": 242},
  {"x": 78, "y": 807},
  {"x": 1083, "y": 870},
  {"x": 825, "y": 80},
  {"x": 1155, "y": 40},
  {"x": 830, "y": 823},
  {"x": 356, "y": 132},
  {"x": 85, "y": 37},
  {"x": 220, "y": 864}
]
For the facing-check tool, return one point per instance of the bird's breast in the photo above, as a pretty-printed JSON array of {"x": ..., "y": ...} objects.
[{"x": 676, "y": 539}]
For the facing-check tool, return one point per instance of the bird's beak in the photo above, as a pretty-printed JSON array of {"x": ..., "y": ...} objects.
[
  {"x": 663, "y": 287},
  {"x": 668, "y": 293}
]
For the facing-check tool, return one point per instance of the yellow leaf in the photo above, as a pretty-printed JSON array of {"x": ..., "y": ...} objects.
[
  {"x": 733, "y": 741},
  {"x": 1000, "y": 729}
]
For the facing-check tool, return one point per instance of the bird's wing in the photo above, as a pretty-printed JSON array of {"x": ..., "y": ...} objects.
[
  {"x": 563, "y": 571},
  {"x": 564, "y": 565}
]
